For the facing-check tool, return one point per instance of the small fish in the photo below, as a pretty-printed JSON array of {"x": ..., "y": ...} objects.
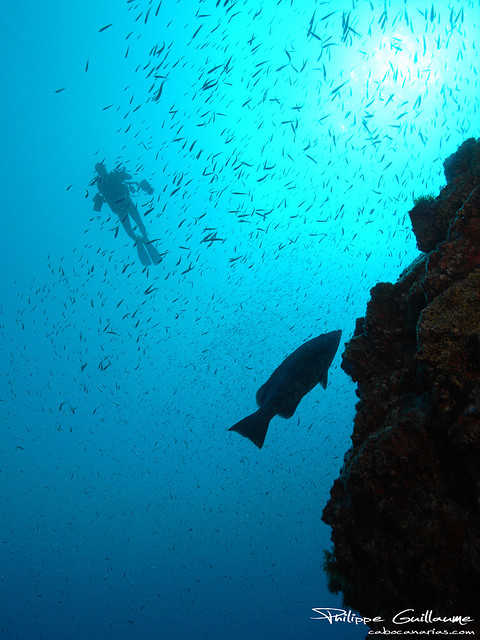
[
  {"x": 107, "y": 26},
  {"x": 150, "y": 289},
  {"x": 292, "y": 379},
  {"x": 337, "y": 89},
  {"x": 327, "y": 16}
]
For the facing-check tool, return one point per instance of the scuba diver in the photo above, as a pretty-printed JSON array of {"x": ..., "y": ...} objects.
[{"x": 114, "y": 188}]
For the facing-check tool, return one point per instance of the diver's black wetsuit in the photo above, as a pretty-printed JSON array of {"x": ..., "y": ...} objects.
[{"x": 114, "y": 189}]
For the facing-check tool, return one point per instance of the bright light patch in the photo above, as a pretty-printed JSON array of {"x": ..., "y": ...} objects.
[{"x": 398, "y": 60}]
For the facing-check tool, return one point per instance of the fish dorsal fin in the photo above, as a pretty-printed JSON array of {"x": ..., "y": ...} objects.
[{"x": 324, "y": 379}]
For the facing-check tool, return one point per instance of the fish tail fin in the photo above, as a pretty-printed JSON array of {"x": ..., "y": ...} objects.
[{"x": 254, "y": 427}]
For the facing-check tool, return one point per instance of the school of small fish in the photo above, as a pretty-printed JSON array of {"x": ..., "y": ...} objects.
[
  {"x": 278, "y": 140},
  {"x": 285, "y": 143}
]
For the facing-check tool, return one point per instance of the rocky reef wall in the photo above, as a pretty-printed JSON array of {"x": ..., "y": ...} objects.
[{"x": 405, "y": 511}]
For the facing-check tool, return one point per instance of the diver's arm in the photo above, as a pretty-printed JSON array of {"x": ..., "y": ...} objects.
[
  {"x": 146, "y": 186},
  {"x": 132, "y": 186}
]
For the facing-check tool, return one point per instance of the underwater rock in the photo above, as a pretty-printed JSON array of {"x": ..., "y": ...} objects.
[
  {"x": 405, "y": 511},
  {"x": 431, "y": 216}
]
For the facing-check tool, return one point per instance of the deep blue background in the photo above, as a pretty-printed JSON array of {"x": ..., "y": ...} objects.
[{"x": 127, "y": 510}]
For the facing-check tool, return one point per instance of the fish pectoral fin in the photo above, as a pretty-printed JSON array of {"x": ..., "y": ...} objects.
[
  {"x": 324, "y": 379},
  {"x": 254, "y": 427}
]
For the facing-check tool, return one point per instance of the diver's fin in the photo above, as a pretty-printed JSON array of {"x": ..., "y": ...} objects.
[
  {"x": 142, "y": 254},
  {"x": 254, "y": 426},
  {"x": 153, "y": 253}
]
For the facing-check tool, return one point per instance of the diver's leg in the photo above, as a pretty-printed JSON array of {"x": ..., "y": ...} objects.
[
  {"x": 138, "y": 221},
  {"x": 125, "y": 220},
  {"x": 139, "y": 242}
]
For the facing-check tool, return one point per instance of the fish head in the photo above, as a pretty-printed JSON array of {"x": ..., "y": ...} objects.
[{"x": 332, "y": 340}]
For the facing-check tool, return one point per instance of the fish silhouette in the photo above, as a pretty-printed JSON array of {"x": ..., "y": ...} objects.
[{"x": 296, "y": 376}]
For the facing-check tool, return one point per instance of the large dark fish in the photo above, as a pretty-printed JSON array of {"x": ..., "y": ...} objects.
[{"x": 296, "y": 376}]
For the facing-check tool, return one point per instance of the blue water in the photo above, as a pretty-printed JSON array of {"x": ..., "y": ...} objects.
[{"x": 127, "y": 508}]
